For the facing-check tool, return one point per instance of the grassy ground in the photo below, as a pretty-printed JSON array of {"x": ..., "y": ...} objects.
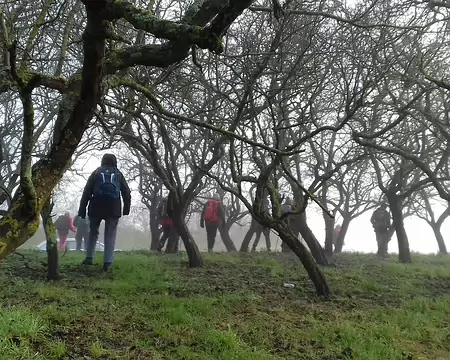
[{"x": 153, "y": 307}]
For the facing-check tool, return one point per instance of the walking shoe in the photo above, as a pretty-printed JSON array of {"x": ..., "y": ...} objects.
[
  {"x": 106, "y": 266},
  {"x": 87, "y": 261}
]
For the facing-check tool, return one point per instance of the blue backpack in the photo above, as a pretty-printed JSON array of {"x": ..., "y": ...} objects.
[{"x": 107, "y": 183}]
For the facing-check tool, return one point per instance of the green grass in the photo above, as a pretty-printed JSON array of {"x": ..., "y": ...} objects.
[{"x": 154, "y": 307}]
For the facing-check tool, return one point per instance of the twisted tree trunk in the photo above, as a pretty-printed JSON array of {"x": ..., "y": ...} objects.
[
  {"x": 248, "y": 236},
  {"x": 52, "y": 241},
  {"x": 177, "y": 212},
  {"x": 439, "y": 238},
  {"x": 311, "y": 267},
  {"x": 82, "y": 93},
  {"x": 226, "y": 238},
  {"x": 342, "y": 233},
  {"x": 22, "y": 220},
  {"x": 300, "y": 225},
  {"x": 395, "y": 204}
]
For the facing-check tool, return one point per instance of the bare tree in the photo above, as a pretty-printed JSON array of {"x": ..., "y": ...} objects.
[
  {"x": 353, "y": 192},
  {"x": 423, "y": 206},
  {"x": 83, "y": 89}
]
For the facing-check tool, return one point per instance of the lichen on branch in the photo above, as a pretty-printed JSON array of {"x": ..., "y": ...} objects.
[{"x": 165, "y": 29}]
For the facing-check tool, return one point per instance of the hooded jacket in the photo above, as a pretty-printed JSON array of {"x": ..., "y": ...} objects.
[
  {"x": 220, "y": 212},
  {"x": 381, "y": 219},
  {"x": 100, "y": 207}
]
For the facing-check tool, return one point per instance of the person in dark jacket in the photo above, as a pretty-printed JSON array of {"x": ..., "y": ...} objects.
[
  {"x": 213, "y": 216},
  {"x": 82, "y": 235},
  {"x": 381, "y": 222},
  {"x": 102, "y": 192}
]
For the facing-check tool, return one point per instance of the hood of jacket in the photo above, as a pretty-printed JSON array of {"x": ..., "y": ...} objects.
[{"x": 109, "y": 160}]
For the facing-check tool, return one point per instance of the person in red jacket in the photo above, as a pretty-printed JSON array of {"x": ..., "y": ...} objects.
[
  {"x": 63, "y": 224},
  {"x": 168, "y": 230},
  {"x": 213, "y": 215}
]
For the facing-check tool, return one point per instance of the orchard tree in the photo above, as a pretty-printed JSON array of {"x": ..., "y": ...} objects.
[
  {"x": 82, "y": 88},
  {"x": 353, "y": 192}
]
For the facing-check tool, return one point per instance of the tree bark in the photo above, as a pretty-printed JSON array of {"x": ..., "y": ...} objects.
[
  {"x": 155, "y": 233},
  {"x": 172, "y": 244},
  {"x": 404, "y": 253},
  {"x": 52, "y": 241},
  {"x": 18, "y": 225},
  {"x": 178, "y": 215},
  {"x": 248, "y": 237},
  {"x": 300, "y": 225},
  {"x": 342, "y": 233},
  {"x": 329, "y": 222},
  {"x": 329, "y": 234},
  {"x": 439, "y": 238},
  {"x": 311, "y": 267},
  {"x": 226, "y": 238},
  {"x": 83, "y": 91}
]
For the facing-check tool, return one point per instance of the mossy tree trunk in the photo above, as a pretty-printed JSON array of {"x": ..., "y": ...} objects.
[
  {"x": 82, "y": 93},
  {"x": 52, "y": 241},
  {"x": 37, "y": 183}
]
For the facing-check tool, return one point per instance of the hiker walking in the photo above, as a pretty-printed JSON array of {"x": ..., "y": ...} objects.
[
  {"x": 261, "y": 229},
  {"x": 102, "y": 192},
  {"x": 213, "y": 215},
  {"x": 63, "y": 225},
  {"x": 381, "y": 222},
  {"x": 82, "y": 235},
  {"x": 168, "y": 230}
]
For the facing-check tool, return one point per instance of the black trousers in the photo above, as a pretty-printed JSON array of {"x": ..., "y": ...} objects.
[
  {"x": 211, "y": 233},
  {"x": 382, "y": 235},
  {"x": 168, "y": 232},
  {"x": 82, "y": 234}
]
